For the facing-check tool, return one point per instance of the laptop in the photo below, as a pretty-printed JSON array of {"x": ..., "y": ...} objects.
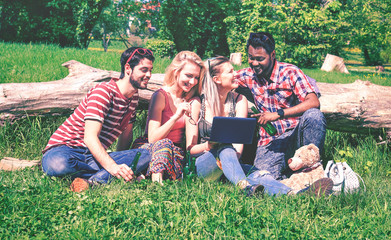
[{"x": 233, "y": 130}]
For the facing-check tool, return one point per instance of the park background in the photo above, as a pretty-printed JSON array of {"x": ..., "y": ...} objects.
[{"x": 38, "y": 36}]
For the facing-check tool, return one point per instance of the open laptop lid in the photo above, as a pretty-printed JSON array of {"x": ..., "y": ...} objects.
[{"x": 233, "y": 130}]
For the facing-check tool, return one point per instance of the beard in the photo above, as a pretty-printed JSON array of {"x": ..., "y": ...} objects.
[
  {"x": 262, "y": 71},
  {"x": 137, "y": 83},
  {"x": 257, "y": 70}
]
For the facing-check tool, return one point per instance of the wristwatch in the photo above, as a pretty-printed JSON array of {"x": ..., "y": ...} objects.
[{"x": 281, "y": 113}]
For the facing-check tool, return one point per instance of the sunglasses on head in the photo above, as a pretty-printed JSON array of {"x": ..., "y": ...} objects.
[{"x": 141, "y": 51}]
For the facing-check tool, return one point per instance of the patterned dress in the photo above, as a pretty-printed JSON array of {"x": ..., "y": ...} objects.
[{"x": 167, "y": 155}]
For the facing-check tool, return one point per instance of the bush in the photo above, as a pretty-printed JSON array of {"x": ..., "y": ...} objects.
[
  {"x": 304, "y": 32},
  {"x": 198, "y": 25},
  {"x": 161, "y": 48},
  {"x": 386, "y": 52},
  {"x": 64, "y": 22}
]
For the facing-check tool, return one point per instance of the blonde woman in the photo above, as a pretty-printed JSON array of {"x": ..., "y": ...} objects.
[{"x": 166, "y": 115}]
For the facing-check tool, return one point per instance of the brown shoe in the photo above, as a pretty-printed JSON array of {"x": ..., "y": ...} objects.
[
  {"x": 323, "y": 186},
  {"x": 79, "y": 185}
]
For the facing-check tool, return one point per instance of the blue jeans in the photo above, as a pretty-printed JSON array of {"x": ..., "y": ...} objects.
[
  {"x": 207, "y": 168},
  {"x": 79, "y": 162},
  {"x": 271, "y": 185},
  {"x": 274, "y": 156}
]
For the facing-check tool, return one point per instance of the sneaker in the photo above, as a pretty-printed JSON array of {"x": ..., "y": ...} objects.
[
  {"x": 323, "y": 186},
  {"x": 242, "y": 184},
  {"x": 79, "y": 185},
  {"x": 253, "y": 190}
]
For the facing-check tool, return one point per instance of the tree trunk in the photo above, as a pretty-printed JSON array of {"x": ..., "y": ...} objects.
[
  {"x": 333, "y": 62},
  {"x": 61, "y": 96},
  {"x": 358, "y": 107}
]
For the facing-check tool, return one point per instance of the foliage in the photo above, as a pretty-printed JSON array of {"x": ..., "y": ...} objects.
[
  {"x": 161, "y": 48},
  {"x": 385, "y": 54},
  {"x": 111, "y": 21},
  {"x": 126, "y": 20},
  {"x": 141, "y": 12},
  {"x": 198, "y": 25},
  {"x": 64, "y": 22},
  {"x": 371, "y": 21},
  {"x": 304, "y": 32}
]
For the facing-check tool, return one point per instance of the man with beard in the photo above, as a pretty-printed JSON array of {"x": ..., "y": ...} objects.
[
  {"x": 78, "y": 147},
  {"x": 286, "y": 99}
]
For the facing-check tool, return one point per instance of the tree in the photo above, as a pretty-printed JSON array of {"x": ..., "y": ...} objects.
[
  {"x": 198, "y": 24},
  {"x": 112, "y": 21},
  {"x": 64, "y": 22},
  {"x": 145, "y": 12},
  {"x": 371, "y": 21},
  {"x": 304, "y": 31}
]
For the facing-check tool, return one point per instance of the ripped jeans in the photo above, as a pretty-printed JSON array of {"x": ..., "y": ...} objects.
[{"x": 274, "y": 156}]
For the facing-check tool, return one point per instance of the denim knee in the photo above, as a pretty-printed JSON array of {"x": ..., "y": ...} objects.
[
  {"x": 56, "y": 163},
  {"x": 207, "y": 167},
  {"x": 312, "y": 129},
  {"x": 226, "y": 152},
  {"x": 314, "y": 116}
]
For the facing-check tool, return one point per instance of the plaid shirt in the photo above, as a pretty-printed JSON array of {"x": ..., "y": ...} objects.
[{"x": 287, "y": 87}]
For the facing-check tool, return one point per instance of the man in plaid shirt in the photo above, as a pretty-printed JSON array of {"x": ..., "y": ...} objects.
[{"x": 285, "y": 98}]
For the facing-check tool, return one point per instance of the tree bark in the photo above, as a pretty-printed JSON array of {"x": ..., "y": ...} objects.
[
  {"x": 358, "y": 107},
  {"x": 61, "y": 96}
]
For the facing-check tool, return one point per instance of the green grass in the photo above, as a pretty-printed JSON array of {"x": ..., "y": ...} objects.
[
  {"x": 35, "y": 206},
  {"x": 42, "y": 63}
]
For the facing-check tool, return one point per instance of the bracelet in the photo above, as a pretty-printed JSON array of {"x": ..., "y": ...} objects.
[{"x": 281, "y": 113}]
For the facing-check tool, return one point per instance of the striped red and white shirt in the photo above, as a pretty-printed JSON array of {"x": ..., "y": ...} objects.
[
  {"x": 103, "y": 103},
  {"x": 287, "y": 87}
]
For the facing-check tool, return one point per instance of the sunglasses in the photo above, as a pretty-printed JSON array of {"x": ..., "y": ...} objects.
[{"x": 141, "y": 51}]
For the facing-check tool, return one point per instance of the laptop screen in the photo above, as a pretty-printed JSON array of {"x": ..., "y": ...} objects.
[{"x": 233, "y": 130}]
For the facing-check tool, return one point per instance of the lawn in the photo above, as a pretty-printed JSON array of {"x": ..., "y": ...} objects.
[{"x": 38, "y": 207}]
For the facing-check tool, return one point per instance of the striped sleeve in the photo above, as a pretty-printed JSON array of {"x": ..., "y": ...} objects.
[{"x": 98, "y": 104}]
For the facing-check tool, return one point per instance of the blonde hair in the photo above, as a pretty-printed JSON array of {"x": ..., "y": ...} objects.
[
  {"x": 178, "y": 64},
  {"x": 209, "y": 88}
]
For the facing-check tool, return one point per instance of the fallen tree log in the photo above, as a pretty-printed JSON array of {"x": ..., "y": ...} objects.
[
  {"x": 358, "y": 107},
  {"x": 12, "y": 164},
  {"x": 60, "y": 96}
]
